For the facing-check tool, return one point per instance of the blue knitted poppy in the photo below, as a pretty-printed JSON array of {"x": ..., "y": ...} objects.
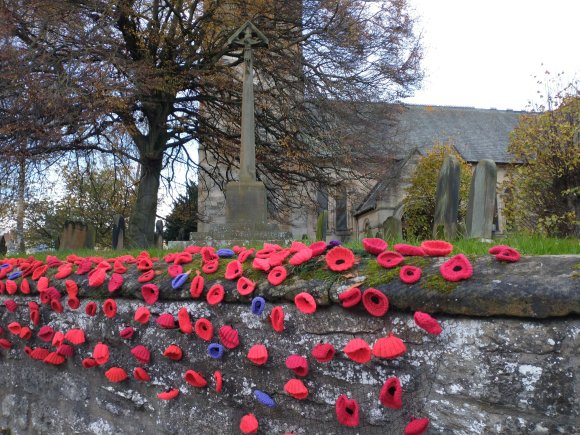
[
  {"x": 258, "y": 305},
  {"x": 225, "y": 253},
  {"x": 264, "y": 399},
  {"x": 179, "y": 280},
  {"x": 15, "y": 275},
  {"x": 333, "y": 243},
  {"x": 4, "y": 266},
  {"x": 215, "y": 350}
]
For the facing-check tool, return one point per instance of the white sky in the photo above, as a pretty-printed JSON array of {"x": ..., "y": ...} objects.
[{"x": 485, "y": 53}]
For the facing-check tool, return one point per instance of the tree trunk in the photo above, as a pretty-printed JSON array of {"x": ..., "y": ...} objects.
[
  {"x": 21, "y": 205},
  {"x": 142, "y": 221}
]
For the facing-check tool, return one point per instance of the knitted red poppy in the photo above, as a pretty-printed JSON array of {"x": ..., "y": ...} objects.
[
  {"x": 217, "y": 376},
  {"x": 428, "y": 323},
  {"x": 374, "y": 246},
  {"x": 296, "y": 389},
  {"x": 410, "y": 274},
  {"x": 339, "y": 259},
  {"x": 25, "y": 333},
  {"x": 204, "y": 329},
  {"x": 166, "y": 321},
  {"x": 72, "y": 288},
  {"x": 54, "y": 359},
  {"x": 88, "y": 363},
  {"x": 389, "y": 259},
  {"x": 215, "y": 294},
  {"x": 42, "y": 284},
  {"x": 277, "y": 319},
  {"x": 101, "y": 353},
  {"x": 261, "y": 264},
  {"x": 169, "y": 394},
  {"x": 197, "y": 285},
  {"x": 39, "y": 353},
  {"x": 141, "y": 354},
  {"x": 277, "y": 275},
  {"x": 110, "y": 308},
  {"x": 245, "y": 254},
  {"x": 142, "y": 315},
  {"x": 317, "y": 248},
  {"x": 350, "y": 297},
  {"x": 409, "y": 250},
  {"x": 5, "y": 344},
  {"x": 147, "y": 276},
  {"x": 150, "y": 293},
  {"x": 183, "y": 258},
  {"x": 245, "y": 286},
  {"x": 269, "y": 249},
  {"x": 52, "y": 293},
  {"x": 11, "y": 287},
  {"x": 34, "y": 313},
  {"x": 2, "y": 287},
  {"x": 116, "y": 374},
  {"x": 91, "y": 309},
  {"x": 119, "y": 267},
  {"x": 45, "y": 333},
  {"x": 258, "y": 354},
  {"x": 417, "y": 426},
  {"x": 358, "y": 350},
  {"x": 52, "y": 261},
  {"x": 173, "y": 352},
  {"x": 301, "y": 257},
  {"x": 140, "y": 374},
  {"x": 144, "y": 264},
  {"x": 115, "y": 282},
  {"x": 56, "y": 306},
  {"x": 195, "y": 379},
  {"x": 105, "y": 265},
  {"x": 63, "y": 271},
  {"x": 234, "y": 270},
  {"x": 305, "y": 303},
  {"x": 375, "y": 302},
  {"x": 494, "y": 250},
  {"x": 10, "y": 305},
  {"x": 184, "y": 321},
  {"x": 277, "y": 258},
  {"x": 389, "y": 347},
  {"x": 65, "y": 350},
  {"x": 75, "y": 336},
  {"x": 38, "y": 272},
  {"x": 347, "y": 411},
  {"x": 25, "y": 287},
  {"x": 127, "y": 333},
  {"x": 298, "y": 364},
  {"x": 508, "y": 254},
  {"x": 249, "y": 424},
  {"x": 208, "y": 254},
  {"x": 456, "y": 268},
  {"x": 229, "y": 337},
  {"x": 210, "y": 267},
  {"x": 58, "y": 339},
  {"x": 391, "y": 394},
  {"x": 14, "y": 328},
  {"x": 437, "y": 248},
  {"x": 323, "y": 352},
  {"x": 97, "y": 277}
]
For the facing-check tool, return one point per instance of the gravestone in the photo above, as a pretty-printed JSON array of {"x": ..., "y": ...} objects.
[
  {"x": 159, "y": 234},
  {"x": 75, "y": 235},
  {"x": 481, "y": 205},
  {"x": 3, "y": 247},
  {"x": 392, "y": 229},
  {"x": 447, "y": 199},
  {"x": 118, "y": 232}
]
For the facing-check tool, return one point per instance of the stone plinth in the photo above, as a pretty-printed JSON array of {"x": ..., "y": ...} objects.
[{"x": 246, "y": 203}]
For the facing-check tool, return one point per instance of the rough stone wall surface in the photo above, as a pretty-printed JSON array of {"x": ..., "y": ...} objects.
[{"x": 490, "y": 375}]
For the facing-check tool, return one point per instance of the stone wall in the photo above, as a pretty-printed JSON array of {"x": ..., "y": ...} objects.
[{"x": 488, "y": 372}]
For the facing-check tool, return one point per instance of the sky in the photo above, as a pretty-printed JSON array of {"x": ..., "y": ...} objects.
[{"x": 484, "y": 54}]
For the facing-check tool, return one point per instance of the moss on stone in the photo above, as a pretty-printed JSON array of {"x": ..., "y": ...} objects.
[
  {"x": 438, "y": 283},
  {"x": 376, "y": 274}
]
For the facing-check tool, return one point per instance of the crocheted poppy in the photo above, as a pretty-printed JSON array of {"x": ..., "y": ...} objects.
[
  {"x": 5, "y": 344},
  {"x": 245, "y": 254},
  {"x": 436, "y": 248},
  {"x": 417, "y": 426},
  {"x": 105, "y": 265},
  {"x": 298, "y": 364},
  {"x": 204, "y": 329},
  {"x": 277, "y": 275},
  {"x": 296, "y": 246},
  {"x": 57, "y": 339},
  {"x": 75, "y": 336},
  {"x": 391, "y": 394},
  {"x": 358, "y": 350},
  {"x": 269, "y": 249},
  {"x": 234, "y": 270},
  {"x": 305, "y": 303},
  {"x": 116, "y": 374},
  {"x": 183, "y": 258},
  {"x": 173, "y": 352},
  {"x": 89, "y": 363},
  {"x": 249, "y": 424},
  {"x": 229, "y": 337},
  {"x": 25, "y": 333},
  {"x": 410, "y": 274},
  {"x": 389, "y": 347},
  {"x": 54, "y": 359},
  {"x": 374, "y": 246},
  {"x": 144, "y": 264},
  {"x": 184, "y": 321},
  {"x": 192, "y": 249},
  {"x": 14, "y": 328},
  {"x": 210, "y": 267},
  {"x": 168, "y": 395},
  {"x": 197, "y": 285},
  {"x": 115, "y": 282},
  {"x": 339, "y": 259},
  {"x": 508, "y": 254},
  {"x": 208, "y": 254},
  {"x": 25, "y": 287},
  {"x": 110, "y": 308},
  {"x": 52, "y": 293},
  {"x": 215, "y": 350},
  {"x": 72, "y": 288},
  {"x": 389, "y": 259},
  {"x": 261, "y": 264},
  {"x": 101, "y": 353},
  {"x": 179, "y": 280},
  {"x": 141, "y": 354},
  {"x": 45, "y": 333},
  {"x": 258, "y": 354},
  {"x": 215, "y": 294},
  {"x": 225, "y": 253},
  {"x": 97, "y": 277},
  {"x": 277, "y": 258},
  {"x": 174, "y": 270},
  {"x": 494, "y": 250},
  {"x": 146, "y": 277},
  {"x": 150, "y": 293},
  {"x": 264, "y": 399},
  {"x": 428, "y": 323},
  {"x": 38, "y": 272},
  {"x": 333, "y": 243},
  {"x": 350, "y": 297},
  {"x": 409, "y": 250},
  {"x": 323, "y": 352},
  {"x": 119, "y": 267},
  {"x": 245, "y": 286},
  {"x": 142, "y": 315},
  {"x": 166, "y": 321},
  {"x": 217, "y": 376},
  {"x": 15, "y": 275},
  {"x": 35, "y": 316},
  {"x": 63, "y": 271},
  {"x": 347, "y": 411},
  {"x": 296, "y": 389},
  {"x": 39, "y": 353},
  {"x": 127, "y": 333},
  {"x": 375, "y": 302},
  {"x": 11, "y": 287},
  {"x": 140, "y": 374},
  {"x": 10, "y": 305},
  {"x": 65, "y": 350},
  {"x": 301, "y": 257},
  {"x": 317, "y": 248},
  {"x": 456, "y": 268},
  {"x": 277, "y": 319},
  {"x": 195, "y": 379},
  {"x": 258, "y": 305},
  {"x": 91, "y": 309},
  {"x": 42, "y": 284}
]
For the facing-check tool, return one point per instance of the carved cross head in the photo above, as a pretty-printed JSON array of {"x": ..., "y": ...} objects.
[{"x": 247, "y": 36}]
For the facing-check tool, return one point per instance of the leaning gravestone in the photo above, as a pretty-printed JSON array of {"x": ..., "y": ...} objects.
[
  {"x": 118, "y": 232},
  {"x": 481, "y": 205},
  {"x": 159, "y": 234},
  {"x": 447, "y": 199},
  {"x": 392, "y": 229}
]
